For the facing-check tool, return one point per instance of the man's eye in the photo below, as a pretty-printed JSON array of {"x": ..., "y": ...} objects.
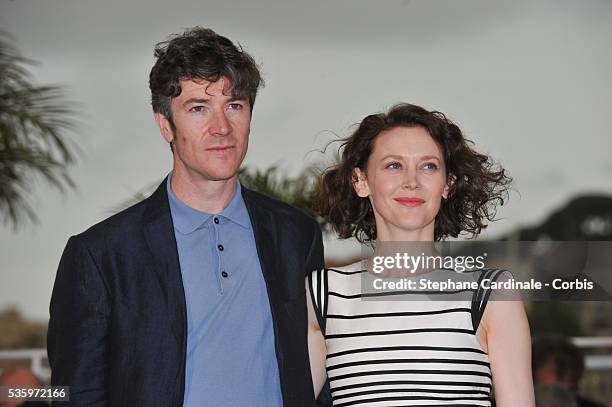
[
  {"x": 196, "y": 108},
  {"x": 394, "y": 166},
  {"x": 235, "y": 106}
]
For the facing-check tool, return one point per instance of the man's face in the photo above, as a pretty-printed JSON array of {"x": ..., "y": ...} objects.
[{"x": 211, "y": 133}]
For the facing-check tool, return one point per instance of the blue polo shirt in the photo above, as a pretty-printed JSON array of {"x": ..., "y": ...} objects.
[{"x": 231, "y": 358}]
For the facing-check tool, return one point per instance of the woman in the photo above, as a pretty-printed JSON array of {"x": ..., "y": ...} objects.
[{"x": 409, "y": 175}]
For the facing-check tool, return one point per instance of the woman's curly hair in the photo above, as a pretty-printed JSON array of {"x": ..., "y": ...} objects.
[{"x": 477, "y": 184}]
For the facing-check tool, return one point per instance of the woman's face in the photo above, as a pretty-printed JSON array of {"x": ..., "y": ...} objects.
[{"x": 405, "y": 180}]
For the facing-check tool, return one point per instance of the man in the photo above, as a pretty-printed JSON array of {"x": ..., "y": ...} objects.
[
  {"x": 558, "y": 366},
  {"x": 195, "y": 296}
]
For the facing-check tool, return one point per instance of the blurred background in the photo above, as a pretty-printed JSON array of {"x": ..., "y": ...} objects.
[{"x": 528, "y": 82}]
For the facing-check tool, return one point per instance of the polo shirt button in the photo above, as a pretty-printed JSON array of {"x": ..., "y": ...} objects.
[
  {"x": 224, "y": 274},
  {"x": 220, "y": 247},
  {"x": 216, "y": 220}
]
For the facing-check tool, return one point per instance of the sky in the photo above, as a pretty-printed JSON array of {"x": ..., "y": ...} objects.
[{"x": 528, "y": 81}]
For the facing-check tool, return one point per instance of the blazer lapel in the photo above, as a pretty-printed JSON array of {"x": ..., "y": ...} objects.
[
  {"x": 265, "y": 239},
  {"x": 159, "y": 234}
]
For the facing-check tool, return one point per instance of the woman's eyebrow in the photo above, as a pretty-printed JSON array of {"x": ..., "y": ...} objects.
[
  {"x": 430, "y": 157},
  {"x": 394, "y": 156},
  {"x": 400, "y": 157}
]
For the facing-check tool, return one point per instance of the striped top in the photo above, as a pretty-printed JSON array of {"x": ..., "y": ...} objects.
[{"x": 420, "y": 350}]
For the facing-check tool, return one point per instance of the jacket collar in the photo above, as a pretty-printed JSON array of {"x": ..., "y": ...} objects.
[{"x": 159, "y": 234}]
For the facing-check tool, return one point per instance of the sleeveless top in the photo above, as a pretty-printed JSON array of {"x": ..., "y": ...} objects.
[{"x": 386, "y": 352}]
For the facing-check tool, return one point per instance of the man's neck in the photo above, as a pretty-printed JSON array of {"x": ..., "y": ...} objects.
[{"x": 204, "y": 195}]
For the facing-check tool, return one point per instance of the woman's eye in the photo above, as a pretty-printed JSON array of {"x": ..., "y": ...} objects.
[
  {"x": 394, "y": 166},
  {"x": 430, "y": 166}
]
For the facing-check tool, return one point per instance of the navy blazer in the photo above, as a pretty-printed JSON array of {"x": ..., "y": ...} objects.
[{"x": 118, "y": 328}]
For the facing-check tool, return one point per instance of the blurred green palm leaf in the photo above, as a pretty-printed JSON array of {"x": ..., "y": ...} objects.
[{"x": 34, "y": 121}]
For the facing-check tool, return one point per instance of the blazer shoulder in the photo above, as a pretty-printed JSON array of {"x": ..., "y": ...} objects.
[{"x": 126, "y": 223}]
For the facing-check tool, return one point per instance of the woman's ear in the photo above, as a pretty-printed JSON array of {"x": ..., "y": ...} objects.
[
  {"x": 360, "y": 183},
  {"x": 450, "y": 181}
]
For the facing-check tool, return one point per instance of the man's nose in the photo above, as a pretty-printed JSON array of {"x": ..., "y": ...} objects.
[{"x": 220, "y": 125}]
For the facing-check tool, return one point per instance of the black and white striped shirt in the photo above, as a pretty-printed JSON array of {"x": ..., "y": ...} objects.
[{"x": 390, "y": 352}]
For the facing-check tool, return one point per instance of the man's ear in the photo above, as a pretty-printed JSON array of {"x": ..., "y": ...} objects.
[
  {"x": 450, "y": 181},
  {"x": 164, "y": 126},
  {"x": 360, "y": 183}
]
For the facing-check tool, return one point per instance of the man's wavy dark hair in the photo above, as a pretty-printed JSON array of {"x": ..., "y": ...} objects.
[
  {"x": 200, "y": 53},
  {"x": 477, "y": 187}
]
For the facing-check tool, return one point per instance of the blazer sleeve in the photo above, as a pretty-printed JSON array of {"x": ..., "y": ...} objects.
[
  {"x": 315, "y": 259},
  {"x": 77, "y": 339}
]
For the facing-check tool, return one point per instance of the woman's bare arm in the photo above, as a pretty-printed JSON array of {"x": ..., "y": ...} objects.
[{"x": 505, "y": 332}]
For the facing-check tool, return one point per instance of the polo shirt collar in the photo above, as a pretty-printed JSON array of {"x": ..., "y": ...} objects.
[{"x": 187, "y": 219}]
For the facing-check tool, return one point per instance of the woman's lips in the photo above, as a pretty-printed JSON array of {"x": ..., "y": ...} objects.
[{"x": 410, "y": 201}]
